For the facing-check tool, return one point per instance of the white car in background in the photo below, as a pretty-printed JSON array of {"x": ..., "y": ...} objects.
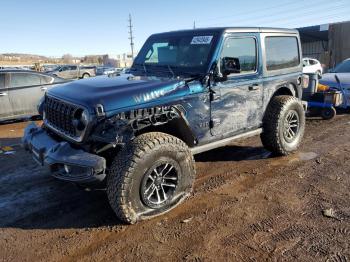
[{"x": 312, "y": 66}]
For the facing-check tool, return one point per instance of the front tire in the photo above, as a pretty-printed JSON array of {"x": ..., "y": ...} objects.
[
  {"x": 283, "y": 125},
  {"x": 150, "y": 176},
  {"x": 86, "y": 75}
]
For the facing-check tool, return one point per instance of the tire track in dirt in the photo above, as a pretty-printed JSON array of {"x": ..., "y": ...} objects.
[{"x": 246, "y": 206}]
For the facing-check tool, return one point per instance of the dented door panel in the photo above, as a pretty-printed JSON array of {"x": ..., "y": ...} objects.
[{"x": 237, "y": 101}]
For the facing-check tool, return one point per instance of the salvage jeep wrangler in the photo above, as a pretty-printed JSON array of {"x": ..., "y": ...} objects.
[{"x": 187, "y": 92}]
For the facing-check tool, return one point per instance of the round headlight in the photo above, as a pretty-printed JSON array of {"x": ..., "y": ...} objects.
[
  {"x": 84, "y": 118},
  {"x": 81, "y": 119}
]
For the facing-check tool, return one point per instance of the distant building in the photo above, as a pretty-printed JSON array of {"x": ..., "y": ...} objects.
[
  {"x": 122, "y": 60},
  {"x": 76, "y": 61},
  {"x": 328, "y": 43}
]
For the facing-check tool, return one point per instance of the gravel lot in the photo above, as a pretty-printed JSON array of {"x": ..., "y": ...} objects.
[{"x": 246, "y": 206}]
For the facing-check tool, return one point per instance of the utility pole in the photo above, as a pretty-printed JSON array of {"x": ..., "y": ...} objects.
[
  {"x": 131, "y": 37},
  {"x": 194, "y": 24}
]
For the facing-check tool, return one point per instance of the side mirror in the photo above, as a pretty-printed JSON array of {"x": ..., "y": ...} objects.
[{"x": 230, "y": 65}]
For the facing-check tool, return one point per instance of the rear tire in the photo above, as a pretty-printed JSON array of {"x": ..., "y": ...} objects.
[
  {"x": 86, "y": 75},
  {"x": 328, "y": 113},
  {"x": 150, "y": 176},
  {"x": 283, "y": 125}
]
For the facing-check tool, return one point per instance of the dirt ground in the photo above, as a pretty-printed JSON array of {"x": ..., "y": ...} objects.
[{"x": 246, "y": 206}]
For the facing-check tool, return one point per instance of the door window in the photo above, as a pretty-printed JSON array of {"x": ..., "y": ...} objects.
[
  {"x": 313, "y": 62},
  {"x": 243, "y": 49},
  {"x": 24, "y": 79}
]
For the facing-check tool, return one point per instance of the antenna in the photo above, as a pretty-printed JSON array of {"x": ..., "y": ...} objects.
[
  {"x": 131, "y": 37},
  {"x": 194, "y": 24}
]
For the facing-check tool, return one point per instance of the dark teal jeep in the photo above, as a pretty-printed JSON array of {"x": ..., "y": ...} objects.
[{"x": 187, "y": 92}]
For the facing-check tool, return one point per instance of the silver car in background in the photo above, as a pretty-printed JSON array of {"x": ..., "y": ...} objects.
[
  {"x": 73, "y": 71},
  {"x": 105, "y": 70},
  {"x": 21, "y": 90}
]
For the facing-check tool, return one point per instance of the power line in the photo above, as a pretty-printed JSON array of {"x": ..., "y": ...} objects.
[
  {"x": 304, "y": 14},
  {"x": 249, "y": 12},
  {"x": 249, "y": 17},
  {"x": 273, "y": 17},
  {"x": 131, "y": 37}
]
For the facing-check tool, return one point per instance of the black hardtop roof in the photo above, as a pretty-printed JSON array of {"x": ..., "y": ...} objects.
[{"x": 233, "y": 30}]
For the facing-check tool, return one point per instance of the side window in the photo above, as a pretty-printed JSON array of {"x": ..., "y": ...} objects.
[
  {"x": 313, "y": 62},
  {"x": 24, "y": 79},
  {"x": 281, "y": 52},
  {"x": 344, "y": 67},
  {"x": 305, "y": 62},
  {"x": 2, "y": 81},
  {"x": 73, "y": 68},
  {"x": 243, "y": 49}
]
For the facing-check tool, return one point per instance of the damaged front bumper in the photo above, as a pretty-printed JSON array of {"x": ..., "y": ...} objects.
[{"x": 65, "y": 162}]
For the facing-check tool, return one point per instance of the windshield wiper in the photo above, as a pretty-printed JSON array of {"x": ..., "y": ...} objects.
[{"x": 171, "y": 71}]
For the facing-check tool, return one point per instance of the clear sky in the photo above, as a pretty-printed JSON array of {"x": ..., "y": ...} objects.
[{"x": 56, "y": 27}]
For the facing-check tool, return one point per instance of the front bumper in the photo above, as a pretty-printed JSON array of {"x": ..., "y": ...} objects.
[{"x": 65, "y": 162}]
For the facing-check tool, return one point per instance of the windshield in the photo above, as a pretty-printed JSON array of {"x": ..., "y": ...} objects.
[
  {"x": 179, "y": 55},
  {"x": 343, "y": 67}
]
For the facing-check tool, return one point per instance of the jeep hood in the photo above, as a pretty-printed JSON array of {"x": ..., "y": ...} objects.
[{"x": 118, "y": 93}]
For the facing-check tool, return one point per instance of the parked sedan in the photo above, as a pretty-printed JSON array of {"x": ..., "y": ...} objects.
[
  {"x": 21, "y": 90},
  {"x": 312, "y": 66},
  {"x": 105, "y": 70},
  {"x": 342, "y": 71}
]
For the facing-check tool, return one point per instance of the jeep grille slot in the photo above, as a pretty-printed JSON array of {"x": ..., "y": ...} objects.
[{"x": 59, "y": 115}]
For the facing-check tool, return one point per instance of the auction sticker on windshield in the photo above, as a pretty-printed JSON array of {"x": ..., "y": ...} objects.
[{"x": 201, "y": 40}]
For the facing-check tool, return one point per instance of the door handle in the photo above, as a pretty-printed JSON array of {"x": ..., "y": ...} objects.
[
  {"x": 253, "y": 87},
  {"x": 43, "y": 88},
  {"x": 3, "y": 94}
]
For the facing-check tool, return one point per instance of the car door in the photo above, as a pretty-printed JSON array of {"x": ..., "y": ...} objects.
[
  {"x": 5, "y": 105},
  {"x": 64, "y": 72},
  {"x": 73, "y": 72},
  {"x": 25, "y": 93},
  {"x": 236, "y": 100}
]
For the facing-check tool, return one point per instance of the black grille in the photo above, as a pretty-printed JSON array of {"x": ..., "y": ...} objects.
[{"x": 60, "y": 115}]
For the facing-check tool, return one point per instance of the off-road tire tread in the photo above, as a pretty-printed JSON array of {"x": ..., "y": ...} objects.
[
  {"x": 121, "y": 172},
  {"x": 270, "y": 135}
]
